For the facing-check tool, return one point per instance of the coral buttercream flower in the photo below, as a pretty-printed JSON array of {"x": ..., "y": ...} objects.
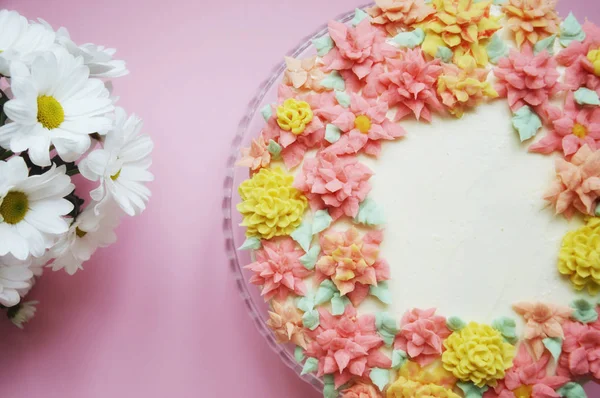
[
  {"x": 346, "y": 346},
  {"x": 421, "y": 335},
  {"x": 577, "y": 183},
  {"x": 431, "y": 381},
  {"x": 256, "y": 156},
  {"x": 270, "y": 205},
  {"x": 352, "y": 262},
  {"x": 278, "y": 269},
  {"x": 463, "y": 26},
  {"x": 527, "y": 79},
  {"x": 286, "y": 323},
  {"x": 365, "y": 124},
  {"x": 334, "y": 183},
  {"x": 478, "y": 353},
  {"x": 303, "y": 74},
  {"x": 398, "y": 15},
  {"x": 580, "y": 351},
  {"x": 579, "y": 256},
  {"x": 542, "y": 321},
  {"x": 582, "y": 60},
  {"x": 410, "y": 83},
  {"x": 531, "y": 20},
  {"x": 461, "y": 89},
  {"x": 361, "y": 390}
]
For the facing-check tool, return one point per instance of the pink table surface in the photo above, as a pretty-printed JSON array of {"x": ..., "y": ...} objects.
[{"x": 158, "y": 314}]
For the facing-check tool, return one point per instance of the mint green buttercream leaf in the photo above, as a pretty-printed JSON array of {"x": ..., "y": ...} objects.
[
  {"x": 380, "y": 377},
  {"x": 274, "y": 149},
  {"x": 339, "y": 304},
  {"x": 545, "y": 44},
  {"x": 343, "y": 98},
  {"x": 428, "y": 1},
  {"x": 303, "y": 235},
  {"x": 369, "y": 213},
  {"x": 526, "y": 122},
  {"x": 471, "y": 390},
  {"x": 359, "y": 16},
  {"x": 310, "y": 319},
  {"x": 386, "y": 327},
  {"x": 310, "y": 258},
  {"x": 507, "y": 327},
  {"x": 455, "y": 324},
  {"x": 252, "y": 243},
  {"x": 444, "y": 53},
  {"x": 267, "y": 112},
  {"x": 382, "y": 292},
  {"x": 311, "y": 365},
  {"x": 572, "y": 390},
  {"x": 321, "y": 221},
  {"x": 585, "y": 312},
  {"x": 409, "y": 39},
  {"x": 499, "y": 2},
  {"x": 325, "y": 292},
  {"x": 323, "y": 45},
  {"x": 571, "y": 30},
  {"x": 585, "y": 96},
  {"x": 554, "y": 345},
  {"x": 306, "y": 303},
  {"x": 399, "y": 357},
  {"x": 334, "y": 81},
  {"x": 299, "y": 354},
  {"x": 329, "y": 390},
  {"x": 332, "y": 133},
  {"x": 496, "y": 49}
]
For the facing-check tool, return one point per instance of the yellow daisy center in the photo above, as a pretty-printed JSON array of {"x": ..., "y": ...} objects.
[
  {"x": 80, "y": 233},
  {"x": 579, "y": 130},
  {"x": 294, "y": 115},
  {"x": 523, "y": 392},
  {"x": 116, "y": 175},
  {"x": 594, "y": 57},
  {"x": 363, "y": 124},
  {"x": 50, "y": 112},
  {"x": 14, "y": 207}
]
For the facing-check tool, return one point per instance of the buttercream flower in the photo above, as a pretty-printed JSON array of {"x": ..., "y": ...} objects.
[
  {"x": 270, "y": 205},
  {"x": 421, "y": 335},
  {"x": 580, "y": 351},
  {"x": 461, "y": 89},
  {"x": 303, "y": 74},
  {"x": 256, "y": 156},
  {"x": 582, "y": 60},
  {"x": 463, "y": 26},
  {"x": 357, "y": 49},
  {"x": 278, "y": 269},
  {"x": 531, "y": 20},
  {"x": 286, "y": 323},
  {"x": 338, "y": 184},
  {"x": 577, "y": 183},
  {"x": 346, "y": 346},
  {"x": 478, "y": 353},
  {"x": 361, "y": 390},
  {"x": 527, "y": 79},
  {"x": 577, "y": 126},
  {"x": 431, "y": 381},
  {"x": 579, "y": 256},
  {"x": 397, "y": 15},
  {"x": 410, "y": 83},
  {"x": 542, "y": 321},
  {"x": 352, "y": 262},
  {"x": 365, "y": 124}
]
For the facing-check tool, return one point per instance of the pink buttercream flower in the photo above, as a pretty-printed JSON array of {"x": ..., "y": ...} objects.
[
  {"x": 346, "y": 346},
  {"x": 286, "y": 323},
  {"x": 580, "y": 351},
  {"x": 256, "y": 156},
  {"x": 577, "y": 184},
  {"x": 411, "y": 84},
  {"x": 337, "y": 184},
  {"x": 580, "y": 70},
  {"x": 357, "y": 50},
  {"x": 361, "y": 390},
  {"x": 421, "y": 335},
  {"x": 527, "y": 79},
  {"x": 365, "y": 124},
  {"x": 352, "y": 262},
  {"x": 542, "y": 321},
  {"x": 398, "y": 15},
  {"x": 303, "y": 74},
  {"x": 278, "y": 269}
]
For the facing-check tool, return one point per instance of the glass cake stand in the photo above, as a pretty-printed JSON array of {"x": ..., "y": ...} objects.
[{"x": 249, "y": 128}]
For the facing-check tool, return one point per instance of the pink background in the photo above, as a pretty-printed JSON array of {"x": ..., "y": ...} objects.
[{"x": 158, "y": 314}]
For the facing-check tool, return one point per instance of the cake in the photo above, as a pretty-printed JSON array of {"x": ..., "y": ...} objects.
[{"x": 422, "y": 202}]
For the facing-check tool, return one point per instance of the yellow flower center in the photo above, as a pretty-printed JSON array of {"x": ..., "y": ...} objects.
[
  {"x": 14, "y": 207},
  {"x": 80, "y": 233},
  {"x": 116, "y": 175},
  {"x": 50, "y": 112},
  {"x": 363, "y": 124},
  {"x": 523, "y": 392},
  {"x": 579, "y": 130},
  {"x": 594, "y": 57},
  {"x": 294, "y": 116}
]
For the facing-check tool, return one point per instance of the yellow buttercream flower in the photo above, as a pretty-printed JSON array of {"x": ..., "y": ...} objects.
[
  {"x": 594, "y": 57},
  {"x": 294, "y": 115},
  {"x": 579, "y": 256},
  {"x": 478, "y": 353},
  {"x": 461, "y": 89},
  {"x": 270, "y": 205},
  {"x": 463, "y": 26},
  {"x": 431, "y": 381}
]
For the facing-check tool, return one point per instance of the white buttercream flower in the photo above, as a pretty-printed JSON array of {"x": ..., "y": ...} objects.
[
  {"x": 23, "y": 313},
  {"x": 56, "y": 103},
  {"x": 32, "y": 209},
  {"x": 121, "y": 166}
]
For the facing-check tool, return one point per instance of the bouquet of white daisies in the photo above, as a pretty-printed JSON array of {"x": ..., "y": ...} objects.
[{"x": 71, "y": 162}]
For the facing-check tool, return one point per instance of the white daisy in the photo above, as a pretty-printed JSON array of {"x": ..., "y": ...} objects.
[
  {"x": 23, "y": 313},
  {"x": 35, "y": 265},
  {"x": 121, "y": 166},
  {"x": 56, "y": 103},
  {"x": 12, "y": 279},
  {"x": 20, "y": 40},
  {"x": 89, "y": 232},
  {"x": 32, "y": 208}
]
